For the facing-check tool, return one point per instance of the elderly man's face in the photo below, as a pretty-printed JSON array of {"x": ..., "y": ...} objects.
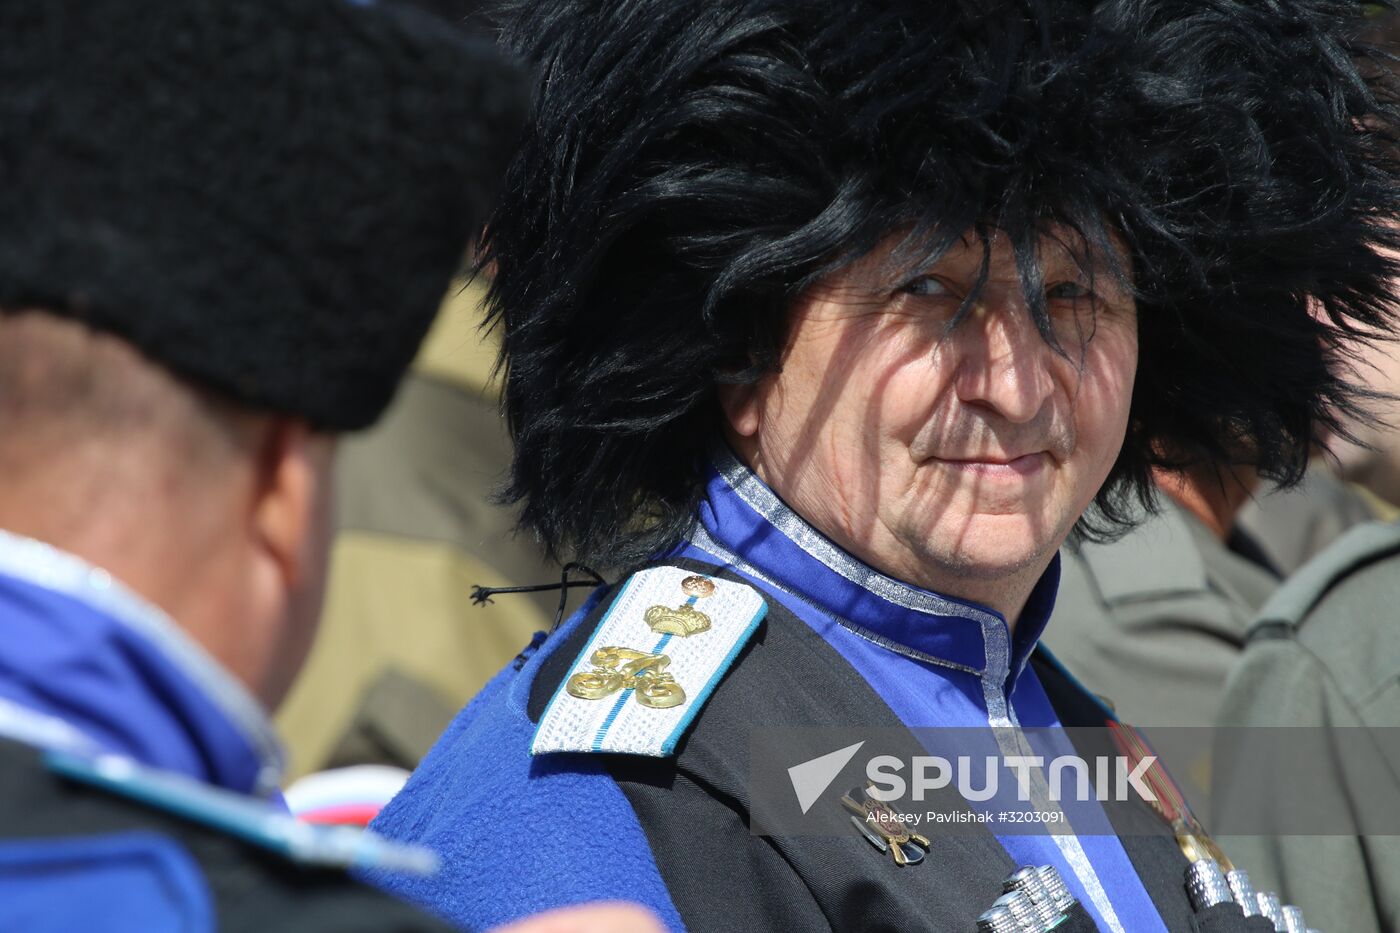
[{"x": 960, "y": 460}]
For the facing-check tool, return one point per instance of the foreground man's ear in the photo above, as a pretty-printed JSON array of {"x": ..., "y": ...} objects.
[
  {"x": 291, "y": 523},
  {"x": 291, "y": 487}
]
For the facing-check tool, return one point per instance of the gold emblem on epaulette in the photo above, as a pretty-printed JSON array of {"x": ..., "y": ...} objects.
[
  {"x": 682, "y": 620},
  {"x": 616, "y": 669},
  {"x": 698, "y": 586}
]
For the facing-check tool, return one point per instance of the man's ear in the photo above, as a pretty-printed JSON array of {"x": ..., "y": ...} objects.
[
  {"x": 741, "y": 407},
  {"x": 290, "y": 495}
]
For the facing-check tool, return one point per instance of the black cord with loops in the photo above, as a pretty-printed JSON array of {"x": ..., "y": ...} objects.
[{"x": 481, "y": 595}]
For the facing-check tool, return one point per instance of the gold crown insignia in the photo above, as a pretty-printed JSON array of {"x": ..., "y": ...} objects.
[{"x": 683, "y": 620}]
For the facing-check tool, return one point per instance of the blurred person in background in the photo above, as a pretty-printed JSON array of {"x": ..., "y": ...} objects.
[
  {"x": 402, "y": 647},
  {"x": 402, "y": 644},
  {"x": 1154, "y": 621},
  {"x": 1322, "y": 662},
  {"x": 227, "y": 228},
  {"x": 1372, "y": 458},
  {"x": 1322, "y": 657},
  {"x": 1291, "y": 526}
]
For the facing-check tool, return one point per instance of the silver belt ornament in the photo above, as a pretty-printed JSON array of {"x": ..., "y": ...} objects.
[
  {"x": 1208, "y": 885},
  {"x": 1033, "y": 900}
]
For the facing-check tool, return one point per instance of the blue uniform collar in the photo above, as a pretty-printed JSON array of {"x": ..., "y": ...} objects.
[
  {"x": 82, "y": 648},
  {"x": 740, "y": 518}
]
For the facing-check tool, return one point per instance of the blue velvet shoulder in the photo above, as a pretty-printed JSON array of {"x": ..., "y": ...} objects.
[{"x": 516, "y": 834}]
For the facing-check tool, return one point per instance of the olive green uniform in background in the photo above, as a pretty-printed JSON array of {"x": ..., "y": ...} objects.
[
  {"x": 1155, "y": 621},
  {"x": 1325, "y": 652},
  {"x": 401, "y": 647},
  {"x": 1294, "y": 525}
]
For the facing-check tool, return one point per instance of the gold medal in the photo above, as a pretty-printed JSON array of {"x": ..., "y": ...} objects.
[{"x": 883, "y": 828}]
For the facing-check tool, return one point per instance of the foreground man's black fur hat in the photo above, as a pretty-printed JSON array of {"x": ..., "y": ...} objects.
[
  {"x": 692, "y": 165},
  {"x": 269, "y": 197}
]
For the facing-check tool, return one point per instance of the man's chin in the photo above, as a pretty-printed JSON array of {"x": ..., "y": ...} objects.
[
  {"x": 989, "y": 568},
  {"x": 990, "y": 549}
]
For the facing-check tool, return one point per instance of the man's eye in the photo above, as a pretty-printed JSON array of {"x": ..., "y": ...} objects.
[
  {"x": 1071, "y": 291},
  {"x": 927, "y": 287}
]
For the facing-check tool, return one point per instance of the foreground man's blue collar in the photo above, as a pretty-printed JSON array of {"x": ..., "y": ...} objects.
[
  {"x": 120, "y": 672},
  {"x": 743, "y": 522}
]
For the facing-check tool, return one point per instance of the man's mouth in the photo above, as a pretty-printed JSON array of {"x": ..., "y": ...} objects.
[{"x": 1000, "y": 467}]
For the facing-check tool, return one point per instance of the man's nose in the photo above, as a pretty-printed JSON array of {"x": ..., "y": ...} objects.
[{"x": 1004, "y": 363}]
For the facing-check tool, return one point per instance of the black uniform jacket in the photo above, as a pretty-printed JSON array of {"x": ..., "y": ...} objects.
[
  {"x": 249, "y": 888},
  {"x": 695, "y": 806}
]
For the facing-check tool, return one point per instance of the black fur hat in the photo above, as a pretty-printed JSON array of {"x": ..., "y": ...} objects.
[
  {"x": 692, "y": 165},
  {"x": 269, "y": 197}
]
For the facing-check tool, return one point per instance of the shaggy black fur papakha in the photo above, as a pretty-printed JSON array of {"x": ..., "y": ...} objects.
[{"x": 691, "y": 166}]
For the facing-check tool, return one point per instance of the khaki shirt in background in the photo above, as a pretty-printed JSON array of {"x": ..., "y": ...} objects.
[
  {"x": 1294, "y": 525},
  {"x": 1155, "y": 621},
  {"x": 401, "y": 647},
  {"x": 1325, "y": 653}
]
